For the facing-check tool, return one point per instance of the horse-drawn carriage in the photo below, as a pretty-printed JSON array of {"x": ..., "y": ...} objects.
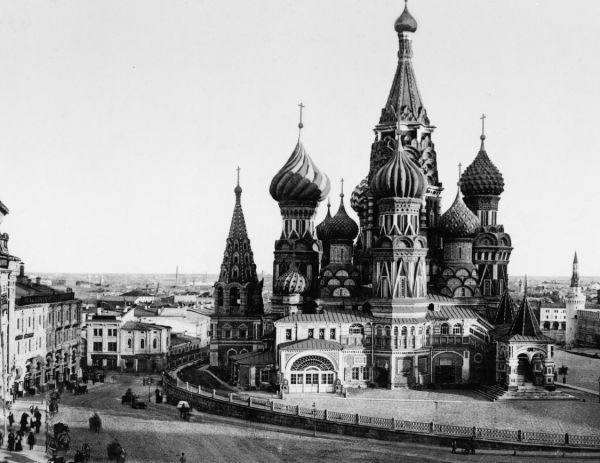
[
  {"x": 115, "y": 452},
  {"x": 61, "y": 438},
  {"x": 127, "y": 397},
  {"x": 95, "y": 423},
  {"x": 137, "y": 403},
  {"x": 79, "y": 389}
]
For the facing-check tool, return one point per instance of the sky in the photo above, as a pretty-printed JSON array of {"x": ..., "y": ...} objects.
[{"x": 122, "y": 122}]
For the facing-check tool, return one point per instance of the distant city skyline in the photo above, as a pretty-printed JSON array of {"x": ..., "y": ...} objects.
[{"x": 123, "y": 122}]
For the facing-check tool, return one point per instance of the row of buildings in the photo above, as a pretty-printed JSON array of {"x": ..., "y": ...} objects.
[{"x": 407, "y": 297}]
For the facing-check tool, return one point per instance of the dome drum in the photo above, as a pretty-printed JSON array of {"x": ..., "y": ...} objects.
[
  {"x": 304, "y": 210},
  {"x": 399, "y": 206},
  {"x": 482, "y": 202}
]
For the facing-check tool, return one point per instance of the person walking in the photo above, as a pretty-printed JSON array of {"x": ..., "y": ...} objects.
[
  {"x": 18, "y": 442},
  {"x": 1, "y": 439},
  {"x": 11, "y": 419},
  {"x": 182, "y": 459},
  {"x": 31, "y": 440},
  {"x": 31, "y": 409},
  {"x": 11, "y": 441},
  {"x": 454, "y": 446}
]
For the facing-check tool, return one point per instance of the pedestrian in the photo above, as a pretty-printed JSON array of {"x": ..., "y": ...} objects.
[
  {"x": 1, "y": 439},
  {"x": 11, "y": 441},
  {"x": 38, "y": 424},
  {"x": 18, "y": 442},
  {"x": 11, "y": 419},
  {"x": 454, "y": 446},
  {"x": 36, "y": 411},
  {"x": 24, "y": 421},
  {"x": 31, "y": 440},
  {"x": 31, "y": 409},
  {"x": 182, "y": 459}
]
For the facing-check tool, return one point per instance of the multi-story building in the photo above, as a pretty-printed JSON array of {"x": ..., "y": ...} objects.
[
  {"x": 47, "y": 335},
  {"x": 123, "y": 342}
]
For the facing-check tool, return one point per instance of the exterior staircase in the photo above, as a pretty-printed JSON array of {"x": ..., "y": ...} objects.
[{"x": 491, "y": 393}]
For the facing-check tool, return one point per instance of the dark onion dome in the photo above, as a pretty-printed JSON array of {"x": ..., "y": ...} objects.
[
  {"x": 291, "y": 282},
  {"x": 458, "y": 221},
  {"x": 321, "y": 228},
  {"x": 359, "y": 195},
  {"x": 341, "y": 226},
  {"x": 400, "y": 177},
  {"x": 482, "y": 177},
  {"x": 299, "y": 179},
  {"x": 406, "y": 22}
]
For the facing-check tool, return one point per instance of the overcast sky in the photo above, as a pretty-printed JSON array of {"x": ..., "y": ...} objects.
[{"x": 122, "y": 122}]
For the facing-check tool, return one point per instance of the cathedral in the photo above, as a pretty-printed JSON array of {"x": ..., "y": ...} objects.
[{"x": 407, "y": 297}]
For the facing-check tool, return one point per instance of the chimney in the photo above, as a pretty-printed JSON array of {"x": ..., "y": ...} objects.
[
  {"x": 22, "y": 269},
  {"x": 38, "y": 280}
]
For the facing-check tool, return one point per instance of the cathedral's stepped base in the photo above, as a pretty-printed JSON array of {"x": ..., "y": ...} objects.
[
  {"x": 491, "y": 393},
  {"x": 531, "y": 392}
]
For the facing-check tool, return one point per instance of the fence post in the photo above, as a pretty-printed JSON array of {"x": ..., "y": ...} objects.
[
  {"x": 431, "y": 427},
  {"x": 272, "y": 405},
  {"x": 199, "y": 389},
  {"x": 357, "y": 418},
  {"x": 231, "y": 396},
  {"x": 474, "y": 431},
  {"x": 214, "y": 393},
  {"x": 519, "y": 435},
  {"x": 297, "y": 409},
  {"x": 393, "y": 423},
  {"x": 187, "y": 386},
  {"x": 250, "y": 401},
  {"x": 325, "y": 415},
  {"x": 567, "y": 438}
]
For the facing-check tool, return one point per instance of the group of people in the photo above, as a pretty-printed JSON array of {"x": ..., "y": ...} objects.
[
  {"x": 468, "y": 446},
  {"x": 15, "y": 440}
]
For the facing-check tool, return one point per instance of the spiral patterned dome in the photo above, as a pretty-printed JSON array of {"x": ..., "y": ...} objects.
[
  {"x": 406, "y": 22},
  {"x": 458, "y": 221},
  {"x": 399, "y": 177},
  {"x": 299, "y": 179},
  {"x": 359, "y": 195},
  {"x": 340, "y": 226},
  {"x": 482, "y": 177},
  {"x": 291, "y": 282},
  {"x": 322, "y": 227}
]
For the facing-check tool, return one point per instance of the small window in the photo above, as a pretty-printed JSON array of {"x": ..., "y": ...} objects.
[
  {"x": 142, "y": 344},
  {"x": 311, "y": 333},
  {"x": 129, "y": 343},
  {"x": 288, "y": 334},
  {"x": 155, "y": 344},
  {"x": 332, "y": 333},
  {"x": 321, "y": 333}
]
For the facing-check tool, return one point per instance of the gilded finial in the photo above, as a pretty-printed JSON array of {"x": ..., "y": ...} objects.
[
  {"x": 459, "y": 173},
  {"x": 238, "y": 175},
  {"x": 300, "y": 124},
  {"x": 342, "y": 188}
]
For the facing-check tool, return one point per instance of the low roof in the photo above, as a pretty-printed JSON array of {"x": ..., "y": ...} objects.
[
  {"x": 332, "y": 316},
  {"x": 255, "y": 358},
  {"x": 142, "y": 326}
]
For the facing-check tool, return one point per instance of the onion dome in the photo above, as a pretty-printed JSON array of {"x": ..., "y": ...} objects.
[
  {"x": 299, "y": 179},
  {"x": 482, "y": 177},
  {"x": 400, "y": 177},
  {"x": 359, "y": 195},
  {"x": 458, "y": 221},
  {"x": 341, "y": 226},
  {"x": 322, "y": 227},
  {"x": 291, "y": 282},
  {"x": 406, "y": 22}
]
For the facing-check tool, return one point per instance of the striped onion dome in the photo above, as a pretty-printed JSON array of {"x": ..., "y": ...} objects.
[
  {"x": 291, "y": 282},
  {"x": 359, "y": 195},
  {"x": 299, "y": 179},
  {"x": 458, "y": 221},
  {"x": 400, "y": 177}
]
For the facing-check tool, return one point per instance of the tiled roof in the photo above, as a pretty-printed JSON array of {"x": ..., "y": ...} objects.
[
  {"x": 456, "y": 312},
  {"x": 506, "y": 310},
  {"x": 332, "y": 316},
  {"x": 525, "y": 327},
  {"x": 400, "y": 321},
  {"x": 311, "y": 344}
]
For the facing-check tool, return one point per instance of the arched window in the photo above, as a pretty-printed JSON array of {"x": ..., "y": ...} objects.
[
  {"x": 379, "y": 331},
  {"x": 142, "y": 344},
  {"x": 444, "y": 329},
  {"x": 129, "y": 343},
  {"x": 219, "y": 297},
  {"x": 404, "y": 331},
  {"x": 457, "y": 329},
  {"x": 357, "y": 329},
  {"x": 234, "y": 297},
  {"x": 388, "y": 331},
  {"x": 546, "y": 325},
  {"x": 155, "y": 343},
  {"x": 412, "y": 330},
  {"x": 395, "y": 331}
]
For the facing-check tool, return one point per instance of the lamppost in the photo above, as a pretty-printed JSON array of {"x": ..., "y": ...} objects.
[
  {"x": 599, "y": 389},
  {"x": 314, "y": 419}
]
